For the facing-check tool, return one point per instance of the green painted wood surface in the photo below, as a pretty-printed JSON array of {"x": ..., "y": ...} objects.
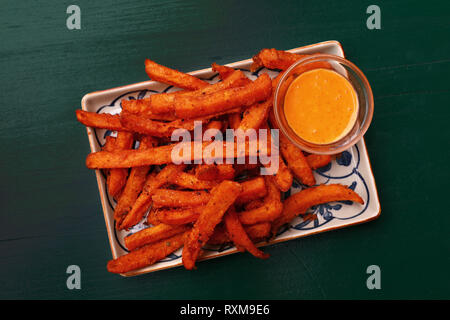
[{"x": 50, "y": 208}]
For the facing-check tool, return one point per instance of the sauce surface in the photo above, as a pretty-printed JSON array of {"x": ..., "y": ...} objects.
[{"x": 321, "y": 106}]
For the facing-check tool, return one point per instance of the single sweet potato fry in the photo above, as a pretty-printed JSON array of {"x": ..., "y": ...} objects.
[
  {"x": 178, "y": 216},
  {"x": 190, "y": 181},
  {"x": 100, "y": 120},
  {"x": 224, "y": 71},
  {"x": 118, "y": 177},
  {"x": 142, "y": 107},
  {"x": 251, "y": 190},
  {"x": 215, "y": 172},
  {"x": 274, "y": 59},
  {"x": 283, "y": 178},
  {"x": 316, "y": 161},
  {"x": 152, "y": 234},
  {"x": 163, "y": 154},
  {"x": 296, "y": 161},
  {"x": 269, "y": 211},
  {"x": 173, "y": 77},
  {"x": 256, "y": 232},
  {"x": 238, "y": 235},
  {"x": 223, "y": 196},
  {"x": 164, "y": 102},
  {"x": 256, "y": 115},
  {"x": 300, "y": 202},
  {"x": 216, "y": 102},
  {"x": 146, "y": 255},
  {"x": 179, "y": 199},
  {"x": 134, "y": 185},
  {"x": 140, "y": 124},
  {"x": 234, "y": 120},
  {"x": 144, "y": 201}
]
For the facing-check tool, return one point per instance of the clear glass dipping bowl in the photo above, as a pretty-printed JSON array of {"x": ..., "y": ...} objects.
[{"x": 359, "y": 83}]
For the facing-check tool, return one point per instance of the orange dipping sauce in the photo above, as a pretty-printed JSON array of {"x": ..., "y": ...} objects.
[{"x": 321, "y": 106}]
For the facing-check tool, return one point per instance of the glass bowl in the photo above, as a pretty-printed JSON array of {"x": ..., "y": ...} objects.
[{"x": 357, "y": 80}]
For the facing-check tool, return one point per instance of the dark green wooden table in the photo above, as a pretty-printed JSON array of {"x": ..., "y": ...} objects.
[{"x": 50, "y": 208}]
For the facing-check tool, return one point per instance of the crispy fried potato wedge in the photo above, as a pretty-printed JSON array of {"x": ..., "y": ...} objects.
[
  {"x": 173, "y": 77},
  {"x": 147, "y": 255},
  {"x": 152, "y": 234},
  {"x": 300, "y": 202},
  {"x": 223, "y": 196},
  {"x": 194, "y": 107},
  {"x": 238, "y": 235}
]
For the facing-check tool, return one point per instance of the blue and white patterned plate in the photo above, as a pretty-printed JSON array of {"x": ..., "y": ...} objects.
[{"x": 352, "y": 168}]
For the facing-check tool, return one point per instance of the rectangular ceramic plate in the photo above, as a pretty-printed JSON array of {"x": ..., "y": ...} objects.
[{"x": 352, "y": 168}]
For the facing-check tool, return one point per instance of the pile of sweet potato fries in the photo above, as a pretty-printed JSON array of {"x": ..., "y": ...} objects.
[{"x": 191, "y": 205}]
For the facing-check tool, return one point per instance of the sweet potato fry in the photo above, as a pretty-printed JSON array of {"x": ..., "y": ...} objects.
[
  {"x": 251, "y": 190},
  {"x": 256, "y": 232},
  {"x": 234, "y": 120},
  {"x": 216, "y": 102},
  {"x": 223, "y": 196},
  {"x": 100, "y": 120},
  {"x": 256, "y": 115},
  {"x": 270, "y": 210},
  {"x": 296, "y": 161},
  {"x": 134, "y": 184},
  {"x": 215, "y": 172},
  {"x": 298, "y": 203},
  {"x": 178, "y": 216},
  {"x": 179, "y": 199},
  {"x": 153, "y": 234},
  {"x": 142, "y": 107},
  {"x": 283, "y": 178},
  {"x": 224, "y": 71},
  {"x": 274, "y": 59},
  {"x": 144, "y": 200},
  {"x": 152, "y": 217},
  {"x": 163, "y": 155},
  {"x": 140, "y": 124},
  {"x": 164, "y": 102},
  {"x": 190, "y": 181},
  {"x": 238, "y": 235},
  {"x": 146, "y": 255},
  {"x": 254, "y": 204},
  {"x": 109, "y": 143},
  {"x": 173, "y": 77},
  {"x": 118, "y": 177},
  {"x": 316, "y": 161}
]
